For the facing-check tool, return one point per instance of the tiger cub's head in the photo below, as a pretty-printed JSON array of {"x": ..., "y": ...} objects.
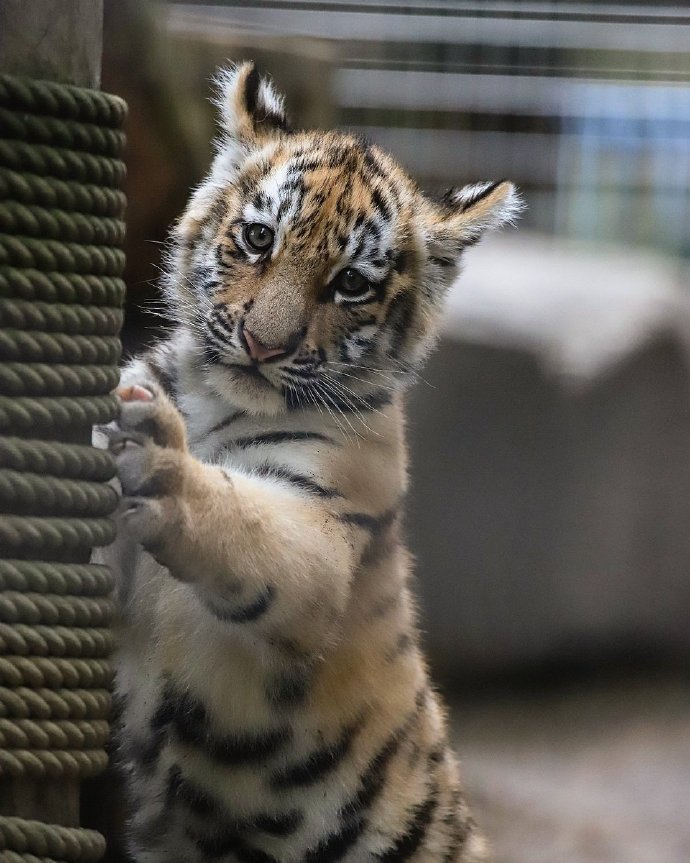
[{"x": 308, "y": 266}]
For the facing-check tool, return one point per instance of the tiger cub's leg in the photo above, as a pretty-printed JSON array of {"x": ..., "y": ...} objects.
[{"x": 256, "y": 553}]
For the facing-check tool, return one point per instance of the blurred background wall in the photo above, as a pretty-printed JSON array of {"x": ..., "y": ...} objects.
[
  {"x": 551, "y": 467},
  {"x": 550, "y": 502}
]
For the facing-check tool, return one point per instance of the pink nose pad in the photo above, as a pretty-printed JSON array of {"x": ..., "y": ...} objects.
[{"x": 260, "y": 352}]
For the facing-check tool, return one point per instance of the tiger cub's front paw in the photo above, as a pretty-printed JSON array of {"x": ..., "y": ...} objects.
[
  {"x": 147, "y": 411},
  {"x": 149, "y": 445}
]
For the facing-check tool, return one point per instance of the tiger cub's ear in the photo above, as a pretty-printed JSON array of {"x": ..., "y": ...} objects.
[
  {"x": 251, "y": 111},
  {"x": 463, "y": 215}
]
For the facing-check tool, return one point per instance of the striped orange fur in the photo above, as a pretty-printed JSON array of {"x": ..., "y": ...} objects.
[{"x": 276, "y": 702}]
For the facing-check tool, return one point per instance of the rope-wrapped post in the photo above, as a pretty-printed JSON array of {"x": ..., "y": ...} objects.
[{"x": 61, "y": 226}]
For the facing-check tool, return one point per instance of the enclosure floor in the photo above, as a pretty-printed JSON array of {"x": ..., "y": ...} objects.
[{"x": 597, "y": 774}]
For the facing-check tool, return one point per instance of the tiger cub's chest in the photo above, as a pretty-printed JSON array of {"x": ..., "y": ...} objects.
[{"x": 211, "y": 780}]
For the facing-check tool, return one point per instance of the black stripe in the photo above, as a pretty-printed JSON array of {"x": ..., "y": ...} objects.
[
  {"x": 202, "y": 804},
  {"x": 446, "y": 262},
  {"x": 289, "y": 688},
  {"x": 384, "y": 605},
  {"x": 460, "y": 834},
  {"x": 275, "y": 120},
  {"x": 466, "y": 205},
  {"x": 297, "y": 479},
  {"x": 213, "y": 845},
  {"x": 354, "y": 812},
  {"x": 224, "y": 423},
  {"x": 307, "y": 165},
  {"x": 336, "y": 846},
  {"x": 282, "y": 824},
  {"x": 293, "y": 393},
  {"x": 246, "y": 613},
  {"x": 297, "y": 372},
  {"x": 350, "y": 404},
  {"x": 379, "y": 547},
  {"x": 375, "y": 524},
  {"x": 399, "y": 318},
  {"x": 278, "y": 825},
  {"x": 403, "y": 644},
  {"x": 372, "y": 163},
  {"x": 462, "y": 827},
  {"x": 277, "y": 437},
  {"x": 146, "y": 753},
  {"x": 216, "y": 329},
  {"x": 164, "y": 374},
  {"x": 251, "y": 90},
  {"x": 223, "y": 251},
  {"x": 240, "y": 749},
  {"x": 210, "y": 352},
  {"x": 361, "y": 519},
  {"x": 260, "y": 201},
  {"x": 290, "y": 648},
  {"x": 401, "y": 261},
  {"x": 363, "y": 403},
  {"x": 191, "y": 725},
  {"x": 408, "y": 842},
  {"x": 164, "y": 714},
  {"x": 221, "y": 844},
  {"x": 218, "y": 845},
  {"x": 246, "y": 854},
  {"x": 196, "y": 799},
  {"x": 211, "y": 222},
  {"x": 380, "y": 202},
  {"x": 436, "y": 754},
  {"x": 317, "y": 764}
]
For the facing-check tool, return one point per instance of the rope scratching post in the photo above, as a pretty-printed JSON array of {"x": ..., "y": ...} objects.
[{"x": 60, "y": 297}]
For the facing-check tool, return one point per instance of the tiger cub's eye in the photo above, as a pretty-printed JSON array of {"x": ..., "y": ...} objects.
[
  {"x": 258, "y": 237},
  {"x": 351, "y": 284}
]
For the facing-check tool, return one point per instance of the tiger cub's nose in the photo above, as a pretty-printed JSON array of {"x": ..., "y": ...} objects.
[{"x": 258, "y": 351}]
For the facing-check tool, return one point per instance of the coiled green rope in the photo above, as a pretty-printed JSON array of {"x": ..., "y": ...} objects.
[
  {"x": 71, "y": 461},
  {"x": 53, "y": 609},
  {"x": 55, "y": 673},
  {"x": 20, "y": 379},
  {"x": 61, "y": 223},
  {"x": 31, "y": 284},
  {"x": 46, "y": 495},
  {"x": 58, "y": 843},
  {"x": 81, "y": 197},
  {"x": 35, "y": 221},
  {"x": 39, "y": 703},
  {"x": 45, "y": 415},
  {"x": 52, "y": 347},
  {"x": 58, "y": 317},
  {"x": 86, "y": 579}
]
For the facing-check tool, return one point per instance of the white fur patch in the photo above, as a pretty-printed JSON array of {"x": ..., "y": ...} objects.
[{"x": 506, "y": 202}]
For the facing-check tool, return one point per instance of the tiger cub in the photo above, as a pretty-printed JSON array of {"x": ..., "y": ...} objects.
[{"x": 276, "y": 705}]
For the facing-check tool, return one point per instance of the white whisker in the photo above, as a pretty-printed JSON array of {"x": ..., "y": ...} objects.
[
  {"x": 319, "y": 392},
  {"x": 328, "y": 394},
  {"x": 389, "y": 386},
  {"x": 343, "y": 391}
]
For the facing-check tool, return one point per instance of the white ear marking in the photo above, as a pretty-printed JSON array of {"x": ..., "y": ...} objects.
[
  {"x": 250, "y": 109},
  {"x": 466, "y": 214},
  {"x": 503, "y": 203}
]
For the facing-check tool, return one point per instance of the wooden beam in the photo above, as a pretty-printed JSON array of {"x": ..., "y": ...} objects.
[{"x": 59, "y": 40}]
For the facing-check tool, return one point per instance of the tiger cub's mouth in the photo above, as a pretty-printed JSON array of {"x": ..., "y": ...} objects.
[{"x": 250, "y": 371}]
